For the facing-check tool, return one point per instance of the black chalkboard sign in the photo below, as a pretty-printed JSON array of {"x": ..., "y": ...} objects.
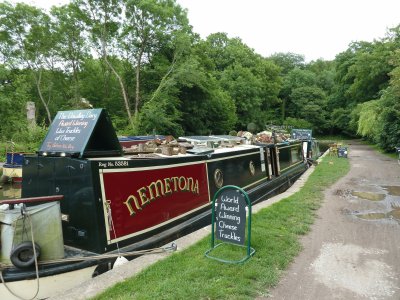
[
  {"x": 301, "y": 134},
  {"x": 230, "y": 216},
  {"x": 342, "y": 152},
  {"x": 82, "y": 133},
  {"x": 229, "y": 221}
]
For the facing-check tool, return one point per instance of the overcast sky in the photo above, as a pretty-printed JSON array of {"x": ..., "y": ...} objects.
[{"x": 313, "y": 28}]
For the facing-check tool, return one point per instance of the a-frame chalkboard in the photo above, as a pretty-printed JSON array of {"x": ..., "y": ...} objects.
[{"x": 81, "y": 133}]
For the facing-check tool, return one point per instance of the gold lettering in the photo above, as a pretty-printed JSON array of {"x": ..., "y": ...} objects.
[
  {"x": 190, "y": 184},
  {"x": 155, "y": 185},
  {"x": 195, "y": 189},
  {"x": 175, "y": 179},
  {"x": 143, "y": 196},
  {"x": 160, "y": 188},
  {"x": 129, "y": 205},
  {"x": 167, "y": 186},
  {"x": 184, "y": 187}
]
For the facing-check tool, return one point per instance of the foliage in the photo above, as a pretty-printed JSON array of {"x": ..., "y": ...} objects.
[
  {"x": 288, "y": 61},
  {"x": 368, "y": 123},
  {"x": 140, "y": 60},
  {"x": 296, "y": 123}
]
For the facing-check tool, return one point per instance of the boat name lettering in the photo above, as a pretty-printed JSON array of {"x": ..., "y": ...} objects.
[{"x": 160, "y": 188}]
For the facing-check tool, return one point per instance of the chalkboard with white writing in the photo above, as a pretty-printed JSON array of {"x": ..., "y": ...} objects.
[
  {"x": 81, "y": 132},
  {"x": 301, "y": 134},
  {"x": 70, "y": 130},
  {"x": 230, "y": 216},
  {"x": 342, "y": 152}
]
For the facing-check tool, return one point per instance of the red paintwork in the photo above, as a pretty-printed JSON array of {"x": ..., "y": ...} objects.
[
  {"x": 120, "y": 185},
  {"x": 16, "y": 179}
]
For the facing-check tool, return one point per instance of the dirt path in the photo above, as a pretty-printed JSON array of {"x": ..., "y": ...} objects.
[{"x": 353, "y": 249}]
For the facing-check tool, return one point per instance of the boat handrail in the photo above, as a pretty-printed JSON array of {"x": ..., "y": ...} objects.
[{"x": 33, "y": 199}]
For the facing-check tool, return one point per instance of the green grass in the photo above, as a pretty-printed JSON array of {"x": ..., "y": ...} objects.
[
  {"x": 19, "y": 147},
  {"x": 275, "y": 236}
]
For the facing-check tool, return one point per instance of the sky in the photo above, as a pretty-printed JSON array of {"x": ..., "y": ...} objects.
[{"x": 313, "y": 28}]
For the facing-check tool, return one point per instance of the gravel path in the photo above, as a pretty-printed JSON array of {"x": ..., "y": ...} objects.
[{"x": 353, "y": 249}]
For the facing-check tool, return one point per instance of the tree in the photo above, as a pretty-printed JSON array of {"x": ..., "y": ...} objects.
[
  {"x": 104, "y": 20},
  {"x": 250, "y": 80},
  {"x": 309, "y": 103},
  {"x": 288, "y": 61},
  {"x": 295, "y": 79},
  {"x": 149, "y": 25},
  {"x": 70, "y": 47},
  {"x": 26, "y": 42}
]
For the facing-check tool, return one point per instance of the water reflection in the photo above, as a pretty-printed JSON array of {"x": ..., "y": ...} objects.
[{"x": 369, "y": 196}]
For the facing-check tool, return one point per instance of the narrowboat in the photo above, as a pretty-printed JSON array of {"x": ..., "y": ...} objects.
[
  {"x": 12, "y": 168},
  {"x": 85, "y": 202}
]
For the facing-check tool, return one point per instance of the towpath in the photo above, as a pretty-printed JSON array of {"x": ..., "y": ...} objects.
[{"x": 353, "y": 249}]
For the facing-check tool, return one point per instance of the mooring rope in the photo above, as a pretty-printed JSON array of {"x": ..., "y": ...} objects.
[{"x": 103, "y": 256}]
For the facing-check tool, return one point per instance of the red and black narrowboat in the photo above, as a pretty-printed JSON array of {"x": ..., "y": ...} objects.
[{"x": 108, "y": 202}]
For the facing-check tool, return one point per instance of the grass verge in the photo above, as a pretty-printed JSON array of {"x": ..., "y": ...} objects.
[{"x": 275, "y": 236}]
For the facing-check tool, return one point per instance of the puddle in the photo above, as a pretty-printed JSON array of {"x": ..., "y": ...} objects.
[
  {"x": 369, "y": 196},
  {"x": 393, "y": 190},
  {"x": 393, "y": 214},
  {"x": 372, "y": 216}
]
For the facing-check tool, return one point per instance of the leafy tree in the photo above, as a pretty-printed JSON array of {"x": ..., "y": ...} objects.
[
  {"x": 104, "y": 20},
  {"x": 288, "y": 61},
  {"x": 71, "y": 46},
  {"x": 250, "y": 80},
  {"x": 149, "y": 25},
  {"x": 309, "y": 103},
  {"x": 12, "y": 102},
  {"x": 368, "y": 123},
  {"x": 26, "y": 42},
  {"x": 296, "y": 78}
]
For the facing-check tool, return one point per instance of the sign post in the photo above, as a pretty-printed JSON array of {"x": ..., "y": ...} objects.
[
  {"x": 229, "y": 221},
  {"x": 342, "y": 152}
]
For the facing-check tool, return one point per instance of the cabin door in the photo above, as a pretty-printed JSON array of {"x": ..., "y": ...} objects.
[
  {"x": 268, "y": 162},
  {"x": 305, "y": 152},
  {"x": 276, "y": 169}
]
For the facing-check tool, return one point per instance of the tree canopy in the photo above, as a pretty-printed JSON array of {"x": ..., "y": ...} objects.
[{"x": 141, "y": 60}]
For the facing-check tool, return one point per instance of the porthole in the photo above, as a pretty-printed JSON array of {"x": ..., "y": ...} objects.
[{"x": 218, "y": 178}]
